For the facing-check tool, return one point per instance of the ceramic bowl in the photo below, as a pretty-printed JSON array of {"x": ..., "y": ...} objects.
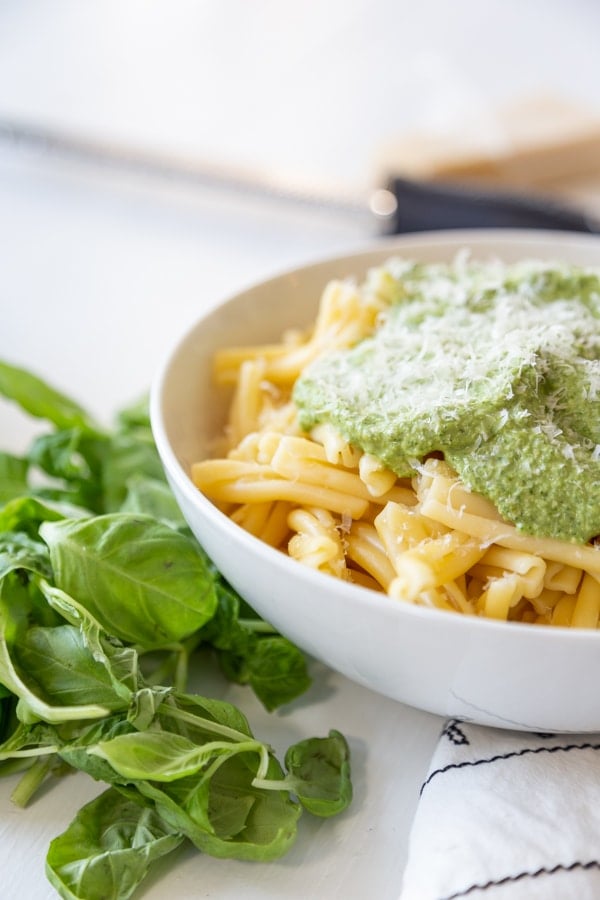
[{"x": 509, "y": 675}]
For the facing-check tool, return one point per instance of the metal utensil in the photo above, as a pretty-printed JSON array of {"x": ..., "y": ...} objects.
[{"x": 401, "y": 205}]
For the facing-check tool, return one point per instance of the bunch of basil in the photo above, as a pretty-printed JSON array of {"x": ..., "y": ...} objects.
[{"x": 104, "y": 595}]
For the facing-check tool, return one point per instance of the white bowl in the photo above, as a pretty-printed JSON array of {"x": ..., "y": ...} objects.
[{"x": 504, "y": 674}]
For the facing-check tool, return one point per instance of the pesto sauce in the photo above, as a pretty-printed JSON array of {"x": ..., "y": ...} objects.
[{"x": 497, "y": 367}]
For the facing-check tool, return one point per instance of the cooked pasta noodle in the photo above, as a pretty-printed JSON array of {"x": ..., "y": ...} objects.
[{"x": 427, "y": 540}]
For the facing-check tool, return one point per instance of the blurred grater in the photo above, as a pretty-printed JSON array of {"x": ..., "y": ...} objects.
[{"x": 441, "y": 194}]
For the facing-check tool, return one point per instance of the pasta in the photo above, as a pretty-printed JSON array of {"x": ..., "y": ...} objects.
[{"x": 425, "y": 540}]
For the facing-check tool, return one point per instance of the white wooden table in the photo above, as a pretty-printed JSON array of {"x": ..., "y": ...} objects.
[{"x": 101, "y": 274}]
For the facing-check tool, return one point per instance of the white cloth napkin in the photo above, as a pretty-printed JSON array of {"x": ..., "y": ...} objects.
[{"x": 507, "y": 816}]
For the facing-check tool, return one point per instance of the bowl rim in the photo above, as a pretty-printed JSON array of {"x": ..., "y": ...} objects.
[{"x": 475, "y": 238}]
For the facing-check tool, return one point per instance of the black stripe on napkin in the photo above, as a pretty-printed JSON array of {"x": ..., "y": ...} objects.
[
  {"x": 514, "y": 753},
  {"x": 509, "y": 879}
]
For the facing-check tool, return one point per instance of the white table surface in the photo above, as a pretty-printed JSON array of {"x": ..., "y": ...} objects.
[{"x": 100, "y": 275}]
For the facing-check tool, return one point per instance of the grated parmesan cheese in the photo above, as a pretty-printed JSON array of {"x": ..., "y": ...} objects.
[{"x": 497, "y": 367}]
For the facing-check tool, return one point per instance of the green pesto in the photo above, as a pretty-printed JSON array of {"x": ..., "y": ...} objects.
[{"x": 497, "y": 367}]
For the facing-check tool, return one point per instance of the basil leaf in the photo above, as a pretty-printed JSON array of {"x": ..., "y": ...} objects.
[
  {"x": 320, "y": 773},
  {"x": 13, "y": 476},
  {"x": 135, "y": 415},
  {"x": 74, "y": 459},
  {"x": 276, "y": 671},
  {"x": 250, "y": 653},
  {"x": 160, "y": 756},
  {"x": 144, "y": 582},
  {"x": 271, "y": 823},
  {"x": 29, "y": 739},
  {"x": 121, "y": 662},
  {"x": 19, "y": 551},
  {"x": 99, "y": 861},
  {"x": 148, "y": 496},
  {"x": 61, "y": 454},
  {"x": 27, "y": 513},
  {"x": 37, "y": 398},
  {"x": 226, "y": 816},
  {"x": 31, "y": 707},
  {"x": 60, "y": 664},
  {"x": 128, "y": 454},
  {"x": 74, "y": 751},
  {"x": 22, "y": 604},
  {"x": 200, "y": 713},
  {"x": 145, "y": 705}
]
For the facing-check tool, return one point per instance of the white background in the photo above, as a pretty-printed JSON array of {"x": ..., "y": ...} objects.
[{"x": 100, "y": 273}]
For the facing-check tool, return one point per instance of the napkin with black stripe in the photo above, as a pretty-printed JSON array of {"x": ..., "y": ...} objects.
[{"x": 507, "y": 816}]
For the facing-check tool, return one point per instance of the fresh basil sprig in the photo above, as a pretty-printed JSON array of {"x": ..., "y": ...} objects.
[{"x": 104, "y": 597}]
